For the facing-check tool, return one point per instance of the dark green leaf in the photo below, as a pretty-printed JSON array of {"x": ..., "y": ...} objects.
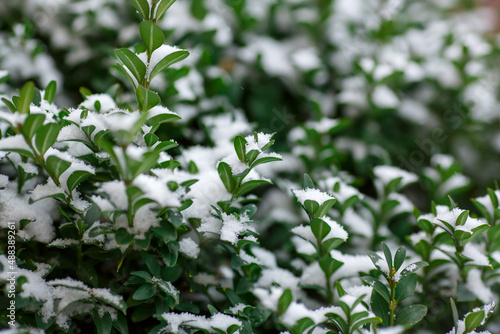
[
  {"x": 9, "y": 104},
  {"x": 145, "y": 292},
  {"x": 388, "y": 255},
  {"x": 399, "y": 257},
  {"x": 226, "y": 176},
  {"x": 240, "y": 148},
  {"x": 122, "y": 237},
  {"x": 163, "y": 118},
  {"x": 76, "y": 178},
  {"x": 411, "y": 315},
  {"x": 320, "y": 229},
  {"x": 380, "y": 307},
  {"x": 405, "y": 287},
  {"x": 152, "y": 264},
  {"x": 378, "y": 286},
  {"x": 103, "y": 325},
  {"x": 325, "y": 207},
  {"x": 413, "y": 268}
]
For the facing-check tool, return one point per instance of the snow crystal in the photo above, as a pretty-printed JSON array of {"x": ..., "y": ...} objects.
[
  {"x": 266, "y": 257},
  {"x": 324, "y": 125},
  {"x": 311, "y": 194},
  {"x": 232, "y": 227},
  {"x": 157, "y": 190},
  {"x": 357, "y": 224},
  {"x": 313, "y": 275},
  {"x": 305, "y": 232},
  {"x": 144, "y": 219},
  {"x": 122, "y": 121},
  {"x": 262, "y": 140},
  {"x": 71, "y": 132},
  {"x": 189, "y": 247},
  {"x": 442, "y": 160},
  {"x": 16, "y": 142},
  {"x": 388, "y": 173},
  {"x": 106, "y": 101},
  {"x": 237, "y": 308},
  {"x": 474, "y": 253},
  {"x": 337, "y": 231},
  {"x": 269, "y": 298},
  {"x": 117, "y": 193},
  {"x": 303, "y": 247},
  {"x": 352, "y": 264},
  {"x": 219, "y": 320},
  {"x": 64, "y": 242},
  {"x": 297, "y": 311}
]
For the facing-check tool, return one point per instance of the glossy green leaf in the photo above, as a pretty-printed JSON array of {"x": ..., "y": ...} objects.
[
  {"x": 411, "y": 315},
  {"x": 147, "y": 99},
  {"x": 32, "y": 124},
  {"x": 50, "y": 92},
  {"x": 399, "y": 257},
  {"x": 46, "y": 137},
  {"x": 152, "y": 35},
  {"x": 329, "y": 265},
  {"x": 169, "y": 60},
  {"x": 240, "y": 148},
  {"x": 406, "y": 287},
  {"x": 162, "y": 7},
  {"x": 132, "y": 62},
  {"x": 26, "y": 97},
  {"x": 56, "y": 165},
  {"x": 226, "y": 176},
  {"x": 249, "y": 186},
  {"x": 285, "y": 300},
  {"x": 320, "y": 229},
  {"x": 325, "y": 207},
  {"x": 142, "y": 7},
  {"x": 145, "y": 292}
]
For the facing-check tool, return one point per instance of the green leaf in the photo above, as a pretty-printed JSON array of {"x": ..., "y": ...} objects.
[
  {"x": 46, "y": 137},
  {"x": 132, "y": 62},
  {"x": 9, "y": 104},
  {"x": 121, "y": 324},
  {"x": 50, "y": 92},
  {"x": 330, "y": 244},
  {"x": 122, "y": 237},
  {"x": 307, "y": 182},
  {"x": 302, "y": 325},
  {"x": 325, "y": 207},
  {"x": 365, "y": 321},
  {"x": 285, "y": 300},
  {"x": 32, "y": 124},
  {"x": 265, "y": 160},
  {"x": 320, "y": 229},
  {"x": 388, "y": 255},
  {"x": 175, "y": 217},
  {"x": 151, "y": 263},
  {"x": 76, "y": 178},
  {"x": 413, "y": 268},
  {"x": 142, "y": 274},
  {"x": 454, "y": 312},
  {"x": 399, "y": 257},
  {"x": 375, "y": 258},
  {"x": 380, "y": 307},
  {"x": 411, "y": 315},
  {"x": 473, "y": 320},
  {"x": 152, "y": 35},
  {"x": 249, "y": 186},
  {"x": 103, "y": 325},
  {"x": 142, "y": 7},
  {"x": 240, "y": 148},
  {"x": 147, "y": 99},
  {"x": 311, "y": 206},
  {"x": 169, "y": 60},
  {"x": 170, "y": 253},
  {"x": 378, "y": 286},
  {"x": 56, "y": 165},
  {"x": 162, "y": 7},
  {"x": 329, "y": 265},
  {"x": 226, "y": 176},
  {"x": 406, "y": 287},
  {"x": 493, "y": 197},
  {"x": 163, "y": 118},
  {"x": 145, "y": 292},
  {"x": 462, "y": 218},
  {"x": 26, "y": 97}
]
